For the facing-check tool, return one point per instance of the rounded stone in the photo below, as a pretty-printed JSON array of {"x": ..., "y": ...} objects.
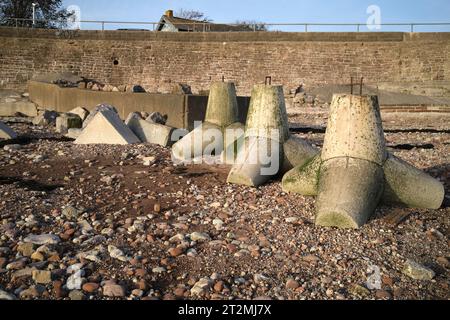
[{"x": 90, "y": 287}]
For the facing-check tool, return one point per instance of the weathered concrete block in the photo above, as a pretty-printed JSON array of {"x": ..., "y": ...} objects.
[
  {"x": 66, "y": 121},
  {"x": 222, "y": 107},
  {"x": 355, "y": 171},
  {"x": 355, "y": 129},
  {"x": 194, "y": 144},
  {"x": 150, "y": 132},
  {"x": 407, "y": 185},
  {"x": 211, "y": 139},
  {"x": 253, "y": 167},
  {"x": 304, "y": 179},
  {"x": 10, "y": 109},
  {"x": 267, "y": 136},
  {"x": 6, "y": 132},
  {"x": 45, "y": 118},
  {"x": 267, "y": 116},
  {"x": 349, "y": 192},
  {"x": 74, "y": 133},
  {"x": 81, "y": 112},
  {"x": 297, "y": 152},
  {"x": 106, "y": 128},
  {"x": 101, "y": 107}
]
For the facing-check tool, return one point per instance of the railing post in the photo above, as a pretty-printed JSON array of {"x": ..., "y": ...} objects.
[
  {"x": 357, "y": 27},
  {"x": 103, "y": 25},
  {"x": 412, "y": 27},
  {"x": 17, "y": 23},
  {"x": 306, "y": 27}
]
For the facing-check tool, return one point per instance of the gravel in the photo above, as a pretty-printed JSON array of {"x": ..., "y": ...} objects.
[{"x": 101, "y": 224}]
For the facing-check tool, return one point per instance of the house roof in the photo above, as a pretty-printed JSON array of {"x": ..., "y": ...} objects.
[{"x": 198, "y": 26}]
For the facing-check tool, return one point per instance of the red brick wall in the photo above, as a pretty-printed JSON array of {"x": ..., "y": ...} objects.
[{"x": 155, "y": 60}]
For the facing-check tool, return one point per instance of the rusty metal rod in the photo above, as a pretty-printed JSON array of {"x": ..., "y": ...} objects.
[
  {"x": 351, "y": 85},
  {"x": 361, "y": 86}
]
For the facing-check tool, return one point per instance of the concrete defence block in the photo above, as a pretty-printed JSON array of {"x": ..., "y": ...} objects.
[
  {"x": 297, "y": 152},
  {"x": 66, "y": 121},
  {"x": 212, "y": 138},
  {"x": 304, "y": 179},
  {"x": 45, "y": 118},
  {"x": 93, "y": 113},
  {"x": 81, "y": 112},
  {"x": 150, "y": 132},
  {"x": 6, "y": 132},
  {"x": 349, "y": 192},
  {"x": 11, "y": 109},
  {"x": 355, "y": 129},
  {"x": 267, "y": 113},
  {"x": 222, "y": 109},
  {"x": 267, "y": 135},
  {"x": 407, "y": 185},
  {"x": 234, "y": 137},
  {"x": 253, "y": 167},
  {"x": 355, "y": 172},
  {"x": 199, "y": 142},
  {"x": 73, "y": 133},
  {"x": 106, "y": 128}
]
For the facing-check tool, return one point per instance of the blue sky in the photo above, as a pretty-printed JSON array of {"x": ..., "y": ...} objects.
[{"x": 290, "y": 11}]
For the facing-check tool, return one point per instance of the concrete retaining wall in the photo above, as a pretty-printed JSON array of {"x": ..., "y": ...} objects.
[{"x": 182, "y": 110}]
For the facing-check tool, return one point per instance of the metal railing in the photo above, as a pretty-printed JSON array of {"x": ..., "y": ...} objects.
[{"x": 206, "y": 26}]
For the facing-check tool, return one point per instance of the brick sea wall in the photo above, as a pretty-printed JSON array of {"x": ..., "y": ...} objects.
[{"x": 159, "y": 60}]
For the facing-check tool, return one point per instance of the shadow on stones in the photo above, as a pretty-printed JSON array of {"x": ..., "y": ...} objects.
[
  {"x": 412, "y": 130},
  {"x": 28, "y": 140},
  {"x": 410, "y": 147},
  {"x": 29, "y": 184}
]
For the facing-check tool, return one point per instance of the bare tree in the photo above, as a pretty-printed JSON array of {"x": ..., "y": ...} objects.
[
  {"x": 253, "y": 25},
  {"x": 192, "y": 15}
]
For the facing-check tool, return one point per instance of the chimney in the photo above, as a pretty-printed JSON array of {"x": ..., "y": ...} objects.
[{"x": 169, "y": 13}]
